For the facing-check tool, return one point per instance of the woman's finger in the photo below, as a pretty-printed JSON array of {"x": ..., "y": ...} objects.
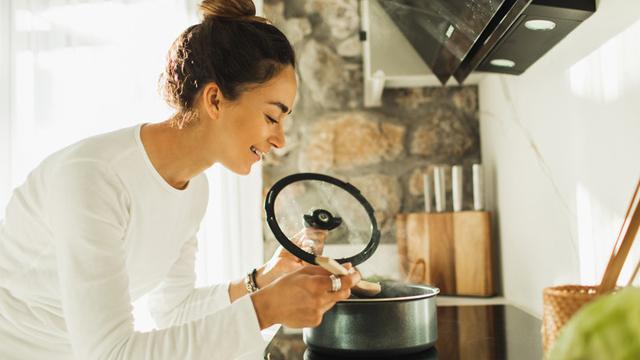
[
  {"x": 314, "y": 270},
  {"x": 320, "y": 233},
  {"x": 324, "y": 284},
  {"x": 298, "y": 237},
  {"x": 349, "y": 281},
  {"x": 341, "y": 295},
  {"x": 318, "y": 236},
  {"x": 333, "y": 298}
]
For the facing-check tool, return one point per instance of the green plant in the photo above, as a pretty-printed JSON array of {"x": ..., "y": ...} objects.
[{"x": 607, "y": 328}]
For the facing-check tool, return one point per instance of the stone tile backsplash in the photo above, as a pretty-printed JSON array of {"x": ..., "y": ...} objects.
[{"x": 382, "y": 151}]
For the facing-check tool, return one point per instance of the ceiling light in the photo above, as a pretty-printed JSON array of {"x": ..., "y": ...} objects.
[
  {"x": 540, "y": 25},
  {"x": 506, "y": 63}
]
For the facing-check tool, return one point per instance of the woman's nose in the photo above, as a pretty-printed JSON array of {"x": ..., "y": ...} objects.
[{"x": 278, "y": 139}]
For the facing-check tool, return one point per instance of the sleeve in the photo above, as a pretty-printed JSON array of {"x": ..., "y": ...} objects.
[
  {"x": 176, "y": 300},
  {"x": 88, "y": 215}
]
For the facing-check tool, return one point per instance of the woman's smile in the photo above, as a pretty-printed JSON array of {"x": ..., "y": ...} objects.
[{"x": 257, "y": 153}]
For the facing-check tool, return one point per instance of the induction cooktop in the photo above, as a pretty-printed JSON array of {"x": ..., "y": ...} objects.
[{"x": 464, "y": 332}]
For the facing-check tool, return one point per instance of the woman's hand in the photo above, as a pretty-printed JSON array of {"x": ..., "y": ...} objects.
[
  {"x": 300, "y": 299},
  {"x": 283, "y": 262}
]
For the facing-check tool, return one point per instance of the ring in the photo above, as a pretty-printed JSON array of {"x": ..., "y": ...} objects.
[{"x": 336, "y": 283}]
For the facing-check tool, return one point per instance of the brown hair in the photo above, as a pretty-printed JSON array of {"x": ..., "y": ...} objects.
[
  {"x": 234, "y": 9},
  {"x": 231, "y": 46}
]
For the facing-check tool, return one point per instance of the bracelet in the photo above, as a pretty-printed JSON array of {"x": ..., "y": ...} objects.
[
  {"x": 254, "y": 277},
  {"x": 250, "y": 282}
]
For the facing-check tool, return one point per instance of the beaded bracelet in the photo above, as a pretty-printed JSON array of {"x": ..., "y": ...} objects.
[{"x": 250, "y": 282}]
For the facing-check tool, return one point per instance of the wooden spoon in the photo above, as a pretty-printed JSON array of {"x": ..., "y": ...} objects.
[
  {"x": 362, "y": 288},
  {"x": 623, "y": 244}
]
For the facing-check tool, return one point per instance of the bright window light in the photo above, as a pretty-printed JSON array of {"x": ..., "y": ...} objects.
[{"x": 609, "y": 71}]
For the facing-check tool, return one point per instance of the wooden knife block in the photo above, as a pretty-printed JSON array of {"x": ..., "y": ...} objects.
[{"x": 452, "y": 251}]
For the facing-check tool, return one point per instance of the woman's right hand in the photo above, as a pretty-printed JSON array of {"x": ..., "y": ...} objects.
[
  {"x": 300, "y": 299},
  {"x": 283, "y": 262}
]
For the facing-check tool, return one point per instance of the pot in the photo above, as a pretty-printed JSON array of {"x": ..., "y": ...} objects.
[{"x": 402, "y": 319}]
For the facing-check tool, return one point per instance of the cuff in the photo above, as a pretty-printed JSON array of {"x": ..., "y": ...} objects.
[
  {"x": 246, "y": 314},
  {"x": 222, "y": 294}
]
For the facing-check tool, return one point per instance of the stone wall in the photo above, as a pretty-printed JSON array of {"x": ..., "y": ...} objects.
[{"x": 382, "y": 151}]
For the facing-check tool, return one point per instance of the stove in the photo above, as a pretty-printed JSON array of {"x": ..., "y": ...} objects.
[{"x": 464, "y": 332}]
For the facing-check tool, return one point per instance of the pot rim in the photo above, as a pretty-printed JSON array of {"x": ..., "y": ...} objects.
[{"x": 433, "y": 292}]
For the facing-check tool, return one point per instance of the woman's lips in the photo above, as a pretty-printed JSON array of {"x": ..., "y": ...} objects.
[{"x": 257, "y": 153}]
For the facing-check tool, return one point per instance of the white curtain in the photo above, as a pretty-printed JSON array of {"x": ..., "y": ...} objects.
[
  {"x": 5, "y": 101},
  {"x": 75, "y": 68},
  {"x": 231, "y": 234}
]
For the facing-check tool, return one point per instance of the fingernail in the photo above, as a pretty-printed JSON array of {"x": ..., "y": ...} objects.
[{"x": 352, "y": 270}]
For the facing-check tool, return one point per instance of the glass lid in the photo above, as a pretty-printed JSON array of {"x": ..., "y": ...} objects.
[{"x": 314, "y": 214}]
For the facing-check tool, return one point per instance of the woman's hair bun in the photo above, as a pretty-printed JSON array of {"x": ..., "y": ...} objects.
[
  {"x": 231, "y": 47},
  {"x": 229, "y": 9}
]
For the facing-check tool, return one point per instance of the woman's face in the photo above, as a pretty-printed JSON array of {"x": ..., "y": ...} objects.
[{"x": 252, "y": 124}]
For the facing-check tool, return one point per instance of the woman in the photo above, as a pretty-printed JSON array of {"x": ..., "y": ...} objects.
[{"x": 113, "y": 217}]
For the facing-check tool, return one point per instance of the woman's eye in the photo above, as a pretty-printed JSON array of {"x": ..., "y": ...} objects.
[{"x": 271, "y": 120}]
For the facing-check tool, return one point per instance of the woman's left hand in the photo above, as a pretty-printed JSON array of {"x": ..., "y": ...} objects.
[{"x": 283, "y": 262}]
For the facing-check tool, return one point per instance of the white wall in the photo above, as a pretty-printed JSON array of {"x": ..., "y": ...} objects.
[
  {"x": 561, "y": 144},
  {"x": 5, "y": 103}
]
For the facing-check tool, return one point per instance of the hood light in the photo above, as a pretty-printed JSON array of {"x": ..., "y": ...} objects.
[
  {"x": 540, "y": 25},
  {"x": 505, "y": 63}
]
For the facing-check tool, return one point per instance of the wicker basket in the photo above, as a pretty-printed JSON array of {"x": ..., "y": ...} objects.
[{"x": 560, "y": 303}]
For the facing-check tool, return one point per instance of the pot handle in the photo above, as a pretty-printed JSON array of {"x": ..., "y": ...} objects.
[{"x": 413, "y": 269}]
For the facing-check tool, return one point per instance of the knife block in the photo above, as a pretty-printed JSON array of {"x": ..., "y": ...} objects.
[{"x": 450, "y": 250}]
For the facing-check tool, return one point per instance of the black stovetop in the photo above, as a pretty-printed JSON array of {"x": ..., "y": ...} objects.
[{"x": 464, "y": 332}]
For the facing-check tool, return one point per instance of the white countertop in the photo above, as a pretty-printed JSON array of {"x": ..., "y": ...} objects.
[{"x": 443, "y": 300}]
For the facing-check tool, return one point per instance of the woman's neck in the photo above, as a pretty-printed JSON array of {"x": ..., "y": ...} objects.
[{"x": 175, "y": 153}]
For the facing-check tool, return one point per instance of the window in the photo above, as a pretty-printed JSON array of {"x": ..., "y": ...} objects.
[{"x": 75, "y": 68}]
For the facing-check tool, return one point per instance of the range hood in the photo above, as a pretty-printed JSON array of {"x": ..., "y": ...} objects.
[{"x": 413, "y": 43}]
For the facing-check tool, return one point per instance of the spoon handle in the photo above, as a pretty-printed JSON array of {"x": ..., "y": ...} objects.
[{"x": 363, "y": 287}]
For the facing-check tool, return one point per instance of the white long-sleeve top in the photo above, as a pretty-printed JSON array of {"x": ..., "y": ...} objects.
[{"x": 93, "y": 228}]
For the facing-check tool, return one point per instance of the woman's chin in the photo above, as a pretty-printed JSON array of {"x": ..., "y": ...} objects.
[{"x": 240, "y": 170}]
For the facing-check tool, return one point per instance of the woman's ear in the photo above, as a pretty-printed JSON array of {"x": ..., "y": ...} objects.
[{"x": 211, "y": 96}]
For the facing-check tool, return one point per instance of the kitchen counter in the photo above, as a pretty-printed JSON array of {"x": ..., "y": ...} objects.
[
  {"x": 464, "y": 332},
  {"x": 444, "y": 300}
]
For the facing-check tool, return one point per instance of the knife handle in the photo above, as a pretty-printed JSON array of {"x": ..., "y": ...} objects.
[
  {"x": 456, "y": 187},
  {"x": 439, "y": 188},
  {"x": 478, "y": 187}
]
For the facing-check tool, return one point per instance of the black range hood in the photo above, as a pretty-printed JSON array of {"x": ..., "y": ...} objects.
[{"x": 456, "y": 37}]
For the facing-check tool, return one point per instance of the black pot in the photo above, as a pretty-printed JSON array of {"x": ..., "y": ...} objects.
[{"x": 402, "y": 319}]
